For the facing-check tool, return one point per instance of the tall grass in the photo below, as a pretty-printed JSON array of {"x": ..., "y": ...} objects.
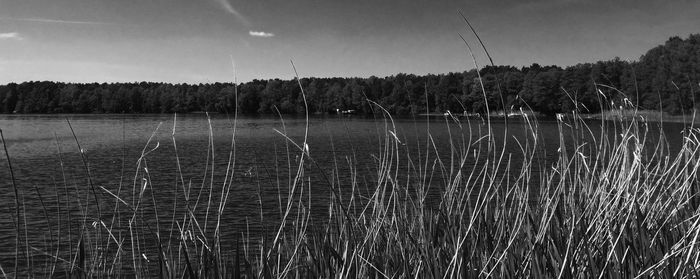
[{"x": 615, "y": 202}]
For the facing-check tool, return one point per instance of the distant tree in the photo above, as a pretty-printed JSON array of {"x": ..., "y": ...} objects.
[{"x": 666, "y": 77}]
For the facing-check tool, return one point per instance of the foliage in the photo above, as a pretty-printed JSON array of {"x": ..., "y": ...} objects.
[
  {"x": 615, "y": 202},
  {"x": 665, "y": 78}
]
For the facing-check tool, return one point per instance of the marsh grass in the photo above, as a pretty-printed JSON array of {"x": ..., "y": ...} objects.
[{"x": 614, "y": 202}]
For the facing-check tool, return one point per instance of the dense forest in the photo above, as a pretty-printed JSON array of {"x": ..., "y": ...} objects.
[{"x": 666, "y": 78}]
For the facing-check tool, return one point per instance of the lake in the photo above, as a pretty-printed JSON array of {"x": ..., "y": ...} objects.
[{"x": 160, "y": 163}]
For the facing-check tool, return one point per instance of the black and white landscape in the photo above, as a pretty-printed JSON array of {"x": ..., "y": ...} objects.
[{"x": 349, "y": 139}]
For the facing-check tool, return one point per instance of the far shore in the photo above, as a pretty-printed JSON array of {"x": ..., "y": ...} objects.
[{"x": 647, "y": 115}]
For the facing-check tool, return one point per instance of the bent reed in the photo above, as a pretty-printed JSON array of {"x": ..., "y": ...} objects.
[{"x": 615, "y": 203}]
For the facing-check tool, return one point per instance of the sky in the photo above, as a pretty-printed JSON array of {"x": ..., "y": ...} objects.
[{"x": 196, "y": 41}]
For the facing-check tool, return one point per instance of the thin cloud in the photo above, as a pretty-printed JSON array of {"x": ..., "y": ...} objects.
[
  {"x": 10, "y": 36},
  {"x": 231, "y": 10},
  {"x": 47, "y": 20},
  {"x": 261, "y": 34}
]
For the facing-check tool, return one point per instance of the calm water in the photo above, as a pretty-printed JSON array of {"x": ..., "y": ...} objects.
[{"x": 113, "y": 144}]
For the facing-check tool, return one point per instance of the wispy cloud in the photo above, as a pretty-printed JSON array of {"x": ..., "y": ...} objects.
[
  {"x": 59, "y": 21},
  {"x": 10, "y": 36},
  {"x": 261, "y": 34},
  {"x": 226, "y": 5}
]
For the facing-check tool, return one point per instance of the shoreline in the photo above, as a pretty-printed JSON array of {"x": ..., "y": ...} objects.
[{"x": 647, "y": 115}]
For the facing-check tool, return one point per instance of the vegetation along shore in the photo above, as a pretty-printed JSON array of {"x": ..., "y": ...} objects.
[
  {"x": 663, "y": 79},
  {"x": 614, "y": 200}
]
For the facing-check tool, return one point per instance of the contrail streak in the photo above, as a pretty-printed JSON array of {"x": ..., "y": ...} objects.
[
  {"x": 46, "y": 20},
  {"x": 229, "y": 9}
]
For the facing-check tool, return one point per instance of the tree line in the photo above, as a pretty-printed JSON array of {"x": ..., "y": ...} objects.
[{"x": 665, "y": 78}]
